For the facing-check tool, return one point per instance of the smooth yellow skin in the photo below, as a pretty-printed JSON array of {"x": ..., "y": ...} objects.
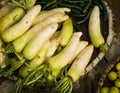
[
  {"x": 66, "y": 32},
  {"x": 94, "y": 28},
  {"x": 11, "y": 18}
]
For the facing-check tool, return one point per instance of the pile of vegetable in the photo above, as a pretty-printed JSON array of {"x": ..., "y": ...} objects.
[
  {"x": 110, "y": 79},
  {"x": 41, "y": 45}
]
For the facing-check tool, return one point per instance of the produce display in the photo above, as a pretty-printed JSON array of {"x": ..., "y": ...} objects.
[{"x": 42, "y": 43}]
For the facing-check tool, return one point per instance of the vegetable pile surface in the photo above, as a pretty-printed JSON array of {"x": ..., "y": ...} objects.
[{"x": 43, "y": 42}]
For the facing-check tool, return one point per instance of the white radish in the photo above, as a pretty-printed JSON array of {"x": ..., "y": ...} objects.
[
  {"x": 80, "y": 63},
  {"x": 24, "y": 39},
  {"x": 43, "y": 16},
  {"x": 53, "y": 46},
  {"x": 37, "y": 61},
  {"x": 35, "y": 44},
  {"x": 81, "y": 46},
  {"x": 22, "y": 26},
  {"x": 57, "y": 62}
]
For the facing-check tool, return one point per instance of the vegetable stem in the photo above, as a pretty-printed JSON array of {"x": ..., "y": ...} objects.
[
  {"x": 64, "y": 85},
  {"x": 17, "y": 87},
  {"x": 14, "y": 67},
  {"x": 19, "y": 4}
]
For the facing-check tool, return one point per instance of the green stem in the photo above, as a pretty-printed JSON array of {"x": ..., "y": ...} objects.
[
  {"x": 103, "y": 48},
  {"x": 28, "y": 78},
  {"x": 64, "y": 85},
  {"x": 59, "y": 83},
  {"x": 17, "y": 87},
  {"x": 19, "y": 4},
  {"x": 14, "y": 67},
  {"x": 35, "y": 75},
  {"x": 34, "y": 79}
]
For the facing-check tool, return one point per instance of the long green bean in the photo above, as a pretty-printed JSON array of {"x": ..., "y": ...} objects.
[
  {"x": 87, "y": 6},
  {"x": 85, "y": 18},
  {"x": 62, "y": 4},
  {"x": 49, "y": 4}
]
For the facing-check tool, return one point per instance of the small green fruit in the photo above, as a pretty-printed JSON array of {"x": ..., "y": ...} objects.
[
  {"x": 117, "y": 66},
  {"x": 114, "y": 90},
  {"x": 104, "y": 90},
  {"x": 118, "y": 73},
  {"x": 112, "y": 75},
  {"x": 117, "y": 82}
]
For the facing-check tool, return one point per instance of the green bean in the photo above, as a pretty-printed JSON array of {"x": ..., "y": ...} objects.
[
  {"x": 76, "y": 11},
  {"x": 78, "y": 15},
  {"x": 49, "y": 4},
  {"x": 104, "y": 10},
  {"x": 54, "y": 5},
  {"x": 85, "y": 18},
  {"x": 41, "y": 2},
  {"x": 74, "y": 2},
  {"x": 76, "y": 26},
  {"x": 69, "y": 5},
  {"x": 87, "y": 6}
]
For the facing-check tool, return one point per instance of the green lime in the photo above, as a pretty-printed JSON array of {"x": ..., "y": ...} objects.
[
  {"x": 117, "y": 82},
  {"x": 117, "y": 66},
  {"x": 113, "y": 90},
  {"x": 104, "y": 90},
  {"x": 112, "y": 75},
  {"x": 118, "y": 73}
]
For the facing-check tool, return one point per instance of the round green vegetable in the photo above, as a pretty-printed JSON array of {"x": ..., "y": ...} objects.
[
  {"x": 117, "y": 82},
  {"x": 112, "y": 75},
  {"x": 104, "y": 90},
  {"x": 114, "y": 90},
  {"x": 117, "y": 66}
]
